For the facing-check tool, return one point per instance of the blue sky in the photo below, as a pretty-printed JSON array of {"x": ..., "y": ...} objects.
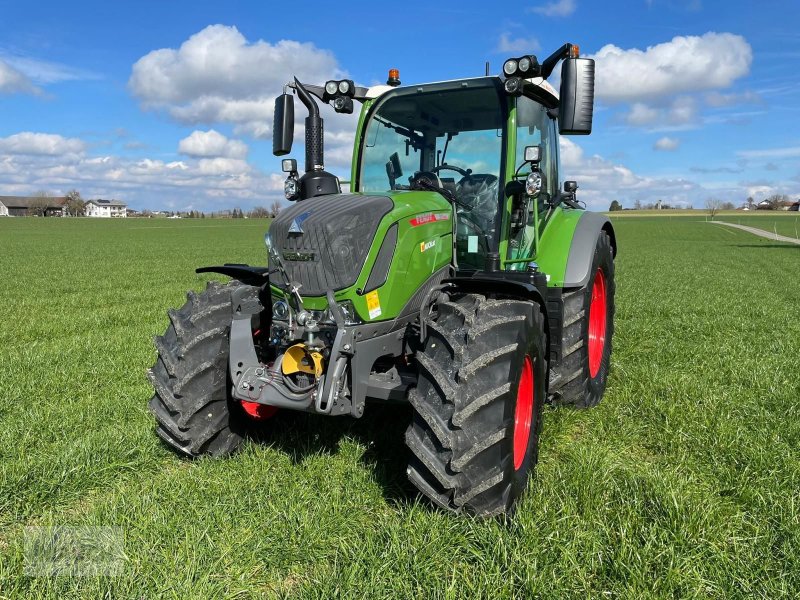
[{"x": 168, "y": 104}]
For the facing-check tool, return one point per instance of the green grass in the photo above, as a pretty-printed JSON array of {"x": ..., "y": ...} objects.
[
  {"x": 682, "y": 483},
  {"x": 783, "y": 223}
]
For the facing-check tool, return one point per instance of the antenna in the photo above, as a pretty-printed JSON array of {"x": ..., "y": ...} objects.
[{"x": 487, "y": 68}]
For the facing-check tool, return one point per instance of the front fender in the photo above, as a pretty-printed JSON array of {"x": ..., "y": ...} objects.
[
  {"x": 584, "y": 242},
  {"x": 567, "y": 246}
]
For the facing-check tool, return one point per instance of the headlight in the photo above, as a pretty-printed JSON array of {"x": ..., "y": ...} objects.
[
  {"x": 330, "y": 87},
  {"x": 290, "y": 188},
  {"x": 350, "y": 314},
  {"x": 344, "y": 87},
  {"x": 280, "y": 310},
  {"x": 510, "y": 67},
  {"x": 533, "y": 183},
  {"x": 524, "y": 64}
]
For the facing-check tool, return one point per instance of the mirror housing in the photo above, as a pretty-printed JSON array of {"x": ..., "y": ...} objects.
[
  {"x": 283, "y": 125},
  {"x": 570, "y": 187},
  {"x": 576, "y": 106}
]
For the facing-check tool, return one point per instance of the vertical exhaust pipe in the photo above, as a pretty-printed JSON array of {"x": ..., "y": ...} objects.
[
  {"x": 314, "y": 131},
  {"x": 316, "y": 181}
]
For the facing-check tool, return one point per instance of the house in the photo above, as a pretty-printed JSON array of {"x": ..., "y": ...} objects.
[
  {"x": 794, "y": 207},
  {"x": 3, "y": 210},
  {"x": 20, "y": 206},
  {"x": 105, "y": 208}
]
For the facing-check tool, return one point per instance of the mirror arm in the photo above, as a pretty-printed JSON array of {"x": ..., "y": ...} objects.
[{"x": 551, "y": 61}]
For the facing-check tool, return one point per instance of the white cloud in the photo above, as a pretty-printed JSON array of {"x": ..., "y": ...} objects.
[
  {"x": 717, "y": 99},
  {"x": 667, "y": 144},
  {"x": 211, "y": 144},
  {"x": 13, "y": 81},
  {"x": 681, "y": 111},
  {"x": 520, "y": 45},
  {"x": 45, "y": 71},
  {"x": 788, "y": 152},
  {"x": 40, "y": 144},
  {"x": 684, "y": 64},
  {"x": 601, "y": 180},
  {"x": 558, "y": 8},
  {"x": 33, "y": 161},
  {"x": 642, "y": 114},
  {"x": 218, "y": 76}
]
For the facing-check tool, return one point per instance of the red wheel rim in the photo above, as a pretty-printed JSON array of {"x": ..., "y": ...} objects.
[
  {"x": 598, "y": 310},
  {"x": 523, "y": 413},
  {"x": 258, "y": 412}
]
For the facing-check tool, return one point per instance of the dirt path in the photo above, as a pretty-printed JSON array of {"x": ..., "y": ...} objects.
[{"x": 760, "y": 232}]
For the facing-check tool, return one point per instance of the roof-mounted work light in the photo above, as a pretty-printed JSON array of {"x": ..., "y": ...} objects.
[
  {"x": 525, "y": 67},
  {"x": 341, "y": 92}
]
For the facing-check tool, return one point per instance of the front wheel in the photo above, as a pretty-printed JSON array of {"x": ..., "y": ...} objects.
[
  {"x": 195, "y": 412},
  {"x": 478, "y": 404}
]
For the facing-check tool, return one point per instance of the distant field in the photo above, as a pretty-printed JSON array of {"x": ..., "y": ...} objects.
[{"x": 684, "y": 482}]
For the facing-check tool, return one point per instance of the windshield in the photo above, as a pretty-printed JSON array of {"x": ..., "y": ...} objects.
[{"x": 451, "y": 137}]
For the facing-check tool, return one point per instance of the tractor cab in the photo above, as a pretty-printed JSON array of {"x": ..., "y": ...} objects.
[{"x": 468, "y": 139}]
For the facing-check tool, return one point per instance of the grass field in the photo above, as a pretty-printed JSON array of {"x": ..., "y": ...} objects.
[{"x": 682, "y": 483}]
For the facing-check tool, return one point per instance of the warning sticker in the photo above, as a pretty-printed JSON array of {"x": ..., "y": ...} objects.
[{"x": 373, "y": 305}]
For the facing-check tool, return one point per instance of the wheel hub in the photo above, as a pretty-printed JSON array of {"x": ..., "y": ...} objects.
[
  {"x": 258, "y": 412},
  {"x": 598, "y": 310},
  {"x": 523, "y": 413}
]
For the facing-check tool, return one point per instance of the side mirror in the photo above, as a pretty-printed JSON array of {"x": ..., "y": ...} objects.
[
  {"x": 283, "y": 125},
  {"x": 576, "y": 106},
  {"x": 395, "y": 160},
  {"x": 570, "y": 187}
]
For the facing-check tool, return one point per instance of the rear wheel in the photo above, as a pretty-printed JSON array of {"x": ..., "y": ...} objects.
[
  {"x": 477, "y": 406},
  {"x": 580, "y": 378},
  {"x": 192, "y": 404}
]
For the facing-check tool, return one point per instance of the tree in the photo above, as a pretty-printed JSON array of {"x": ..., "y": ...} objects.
[
  {"x": 74, "y": 206},
  {"x": 637, "y": 204},
  {"x": 778, "y": 201},
  {"x": 713, "y": 206},
  {"x": 615, "y": 205},
  {"x": 259, "y": 212},
  {"x": 751, "y": 204},
  {"x": 275, "y": 208},
  {"x": 41, "y": 201},
  {"x": 728, "y": 206}
]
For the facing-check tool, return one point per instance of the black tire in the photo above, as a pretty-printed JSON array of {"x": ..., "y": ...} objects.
[
  {"x": 572, "y": 382},
  {"x": 462, "y": 432},
  {"x": 192, "y": 405}
]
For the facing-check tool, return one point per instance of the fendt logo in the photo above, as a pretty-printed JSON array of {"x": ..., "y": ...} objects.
[{"x": 297, "y": 224}]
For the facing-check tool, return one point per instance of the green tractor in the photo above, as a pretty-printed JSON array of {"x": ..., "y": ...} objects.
[{"x": 457, "y": 275}]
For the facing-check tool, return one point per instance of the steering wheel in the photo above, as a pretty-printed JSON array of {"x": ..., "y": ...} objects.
[
  {"x": 429, "y": 177},
  {"x": 459, "y": 170}
]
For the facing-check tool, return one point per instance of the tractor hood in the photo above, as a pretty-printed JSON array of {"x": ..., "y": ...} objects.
[
  {"x": 324, "y": 241},
  {"x": 386, "y": 246}
]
